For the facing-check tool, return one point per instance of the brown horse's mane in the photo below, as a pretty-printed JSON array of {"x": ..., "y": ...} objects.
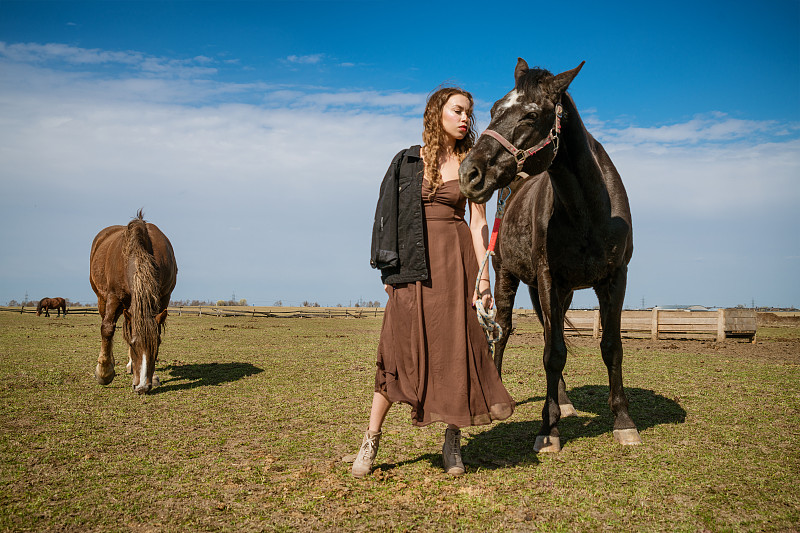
[{"x": 144, "y": 285}]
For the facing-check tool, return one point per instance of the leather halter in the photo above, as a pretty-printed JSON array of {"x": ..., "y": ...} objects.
[{"x": 522, "y": 155}]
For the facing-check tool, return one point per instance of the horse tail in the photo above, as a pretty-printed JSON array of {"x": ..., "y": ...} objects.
[{"x": 144, "y": 282}]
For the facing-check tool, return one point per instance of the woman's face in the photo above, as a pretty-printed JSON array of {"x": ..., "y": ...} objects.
[{"x": 455, "y": 116}]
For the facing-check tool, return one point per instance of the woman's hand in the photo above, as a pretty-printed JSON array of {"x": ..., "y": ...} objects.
[
  {"x": 386, "y": 288},
  {"x": 485, "y": 296}
]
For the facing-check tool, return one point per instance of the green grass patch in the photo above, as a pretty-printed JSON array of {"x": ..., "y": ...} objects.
[{"x": 253, "y": 416}]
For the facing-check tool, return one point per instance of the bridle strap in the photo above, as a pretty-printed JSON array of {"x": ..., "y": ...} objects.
[{"x": 522, "y": 155}]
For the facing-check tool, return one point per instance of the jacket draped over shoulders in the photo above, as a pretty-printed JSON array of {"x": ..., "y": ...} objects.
[{"x": 398, "y": 231}]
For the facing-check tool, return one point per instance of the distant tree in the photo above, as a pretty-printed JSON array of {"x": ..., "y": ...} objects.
[
  {"x": 243, "y": 301},
  {"x": 338, "y": 305},
  {"x": 278, "y": 303},
  {"x": 13, "y": 303}
]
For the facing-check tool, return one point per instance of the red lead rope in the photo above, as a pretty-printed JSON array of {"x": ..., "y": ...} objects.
[{"x": 495, "y": 231}]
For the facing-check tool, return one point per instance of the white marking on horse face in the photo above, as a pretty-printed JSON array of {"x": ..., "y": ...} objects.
[
  {"x": 143, "y": 371},
  {"x": 510, "y": 100}
]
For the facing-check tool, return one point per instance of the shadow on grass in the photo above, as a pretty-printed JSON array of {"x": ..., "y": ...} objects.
[
  {"x": 509, "y": 443},
  {"x": 190, "y": 376}
]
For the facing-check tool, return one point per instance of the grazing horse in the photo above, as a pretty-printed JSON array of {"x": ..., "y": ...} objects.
[
  {"x": 132, "y": 270},
  {"x": 51, "y": 303},
  {"x": 566, "y": 226}
]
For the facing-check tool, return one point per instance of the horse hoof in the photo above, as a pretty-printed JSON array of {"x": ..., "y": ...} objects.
[
  {"x": 627, "y": 437},
  {"x": 156, "y": 382},
  {"x": 547, "y": 444},
  {"x": 103, "y": 378},
  {"x": 567, "y": 409}
]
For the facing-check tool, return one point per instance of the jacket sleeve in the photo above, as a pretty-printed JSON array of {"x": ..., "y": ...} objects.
[{"x": 384, "y": 253}]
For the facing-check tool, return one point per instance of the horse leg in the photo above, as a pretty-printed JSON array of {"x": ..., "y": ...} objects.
[
  {"x": 610, "y": 296},
  {"x": 504, "y": 291},
  {"x": 129, "y": 366},
  {"x": 564, "y": 403},
  {"x": 554, "y": 358},
  {"x": 109, "y": 311}
]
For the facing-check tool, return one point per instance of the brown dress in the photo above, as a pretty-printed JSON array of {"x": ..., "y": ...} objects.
[{"x": 433, "y": 354}]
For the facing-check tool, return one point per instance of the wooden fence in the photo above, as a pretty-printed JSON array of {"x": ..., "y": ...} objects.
[
  {"x": 656, "y": 323},
  {"x": 224, "y": 311},
  {"x": 721, "y": 324}
]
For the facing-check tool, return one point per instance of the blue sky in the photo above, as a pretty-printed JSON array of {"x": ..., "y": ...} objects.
[{"x": 255, "y": 135}]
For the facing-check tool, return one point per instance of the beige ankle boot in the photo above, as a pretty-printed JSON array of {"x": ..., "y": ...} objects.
[
  {"x": 366, "y": 454},
  {"x": 451, "y": 452}
]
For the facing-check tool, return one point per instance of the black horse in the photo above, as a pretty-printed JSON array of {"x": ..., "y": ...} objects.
[{"x": 567, "y": 226}]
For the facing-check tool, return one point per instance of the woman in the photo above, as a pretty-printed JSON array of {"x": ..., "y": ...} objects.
[{"x": 432, "y": 353}]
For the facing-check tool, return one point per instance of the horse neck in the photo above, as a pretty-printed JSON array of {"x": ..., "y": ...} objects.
[
  {"x": 575, "y": 174},
  {"x": 143, "y": 285}
]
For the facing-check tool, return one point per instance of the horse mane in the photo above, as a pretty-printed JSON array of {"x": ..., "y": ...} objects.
[
  {"x": 144, "y": 285},
  {"x": 530, "y": 83}
]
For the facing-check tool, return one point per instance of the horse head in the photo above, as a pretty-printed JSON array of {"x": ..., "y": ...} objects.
[
  {"x": 522, "y": 136},
  {"x": 144, "y": 338}
]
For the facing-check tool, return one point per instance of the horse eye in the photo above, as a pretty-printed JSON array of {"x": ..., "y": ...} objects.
[{"x": 531, "y": 117}]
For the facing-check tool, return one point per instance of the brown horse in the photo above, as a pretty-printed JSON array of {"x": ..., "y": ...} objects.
[
  {"x": 51, "y": 303},
  {"x": 567, "y": 227},
  {"x": 132, "y": 270}
]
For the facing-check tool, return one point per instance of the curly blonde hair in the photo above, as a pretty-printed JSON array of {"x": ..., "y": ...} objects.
[{"x": 433, "y": 135}]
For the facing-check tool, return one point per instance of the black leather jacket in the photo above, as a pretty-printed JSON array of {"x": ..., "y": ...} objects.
[{"x": 398, "y": 233}]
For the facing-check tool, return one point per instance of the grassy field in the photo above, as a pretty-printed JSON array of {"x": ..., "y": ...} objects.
[{"x": 249, "y": 427}]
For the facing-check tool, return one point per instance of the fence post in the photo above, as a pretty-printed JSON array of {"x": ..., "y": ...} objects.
[
  {"x": 654, "y": 325},
  {"x": 720, "y": 325},
  {"x": 22, "y": 309},
  {"x": 596, "y": 324},
  {"x": 200, "y": 311}
]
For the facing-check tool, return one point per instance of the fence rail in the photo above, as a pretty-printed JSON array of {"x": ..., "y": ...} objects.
[
  {"x": 722, "y": 323},
  {"x": 224, "y": 311}
]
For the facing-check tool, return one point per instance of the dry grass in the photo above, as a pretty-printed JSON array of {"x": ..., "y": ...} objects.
[{"x": 247, "y": 431}]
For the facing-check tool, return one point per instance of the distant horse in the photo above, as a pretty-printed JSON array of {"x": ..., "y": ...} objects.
[
  {"x": 567, "y": 227},
  {"x": 51, "y": 303},
  {"x": 132, "y": 271}
]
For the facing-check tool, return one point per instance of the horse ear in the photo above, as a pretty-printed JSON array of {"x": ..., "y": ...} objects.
[
  {"x": 521, "y": 70},
  {"x": 161, "y": 317},
  {"x": 560, "y": 82}
]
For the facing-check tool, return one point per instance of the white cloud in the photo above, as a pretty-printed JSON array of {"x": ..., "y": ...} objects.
[
  {"x": 707, "y": 166},
  {"x": 40, "y": 54},
  {"x": 712, "y": 127},
  {"x": 311, "y": 59},
  {"x": 414, "y": 102}
]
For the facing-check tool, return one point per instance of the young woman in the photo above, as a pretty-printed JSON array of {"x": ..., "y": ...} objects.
[{"x": 432, "y": 353}]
